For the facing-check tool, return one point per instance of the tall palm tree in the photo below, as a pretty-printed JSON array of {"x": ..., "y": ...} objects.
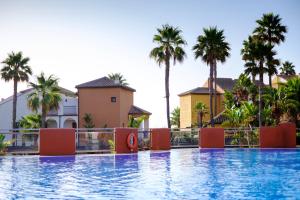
[
  {"x": 201, "y": 110},
  {"x": 259, "y": 52},
  {"x": 46, "y": 95},
  {"x": 15, "y": 68},
  {"x": 118, "y": 77},
  {"x": 287, "y": 68},
  {"x": 170, "y": 47},
  {"x": 212, "y": 48},
  {"x": 271, "y": 31}
]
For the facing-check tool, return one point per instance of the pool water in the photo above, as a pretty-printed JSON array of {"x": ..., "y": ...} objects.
[{"x": 176, "y": 174}]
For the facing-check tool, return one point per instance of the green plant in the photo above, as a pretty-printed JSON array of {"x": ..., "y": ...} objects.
[
  {"x": 88, "y": 121},
  {"x": 201, "y": 110},
  {"x": 175, "y": 117},
  {"x": 135, "y": 122},
  {"x": 3, "y": 144},
  {"x": 111, "y": 144}
]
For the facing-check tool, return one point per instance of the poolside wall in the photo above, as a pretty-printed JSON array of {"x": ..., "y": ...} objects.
[
  {"x": 160, "y": 139},
  {"x": 121, "y": 135},
  {"x": 281, "y": 136},
  {"x": 57, "y": 141},
  {"x": 211, "y": 138}
]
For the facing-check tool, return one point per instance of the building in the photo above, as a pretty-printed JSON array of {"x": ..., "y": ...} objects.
[
  {"x": 188, "y": 100},
  {"x": 281, "y": 79},
  {"x": 65, "y": 117},
  {"x": 109, "y": 103}
]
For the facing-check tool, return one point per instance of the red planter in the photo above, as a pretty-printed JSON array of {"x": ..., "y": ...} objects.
[
  {"x": 57, "y": 141},
  {"x": 160, "y": 139},
  {"x": 211, "y": 138}
]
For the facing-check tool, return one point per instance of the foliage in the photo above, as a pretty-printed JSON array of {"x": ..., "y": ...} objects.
[
  {"x": 3, "y": 144},
  {"x": 175, "y": 117},
  {"x": 118, "y": 77},
  {"x": 31, "y": 121},
  {"x": 201, "y": 110},
  {"x": 88, "y": 121},
  {"x": 15, "y": 68},
  {"x": 46, "y": 95},
  {"x": 135, "y": 122},
  {"x": 287, "y": 68},
  {"x": 111, "y": 144},
  {"x": 211, "y": 47},
  {"x": 170, "y": 47}
]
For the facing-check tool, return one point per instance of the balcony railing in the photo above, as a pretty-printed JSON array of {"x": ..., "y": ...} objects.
[{"x": 70, "y": 110}]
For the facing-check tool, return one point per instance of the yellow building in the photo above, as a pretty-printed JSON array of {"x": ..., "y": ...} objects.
[
  {"x": 281, "y": 79},
  {"x": 188, "y": 100}
]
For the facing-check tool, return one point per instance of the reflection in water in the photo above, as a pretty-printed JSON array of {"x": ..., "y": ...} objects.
[{"x": 175, "y": 174}]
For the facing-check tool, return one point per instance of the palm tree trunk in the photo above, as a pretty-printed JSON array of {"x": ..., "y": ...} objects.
[
  {"x": 270, "y": 80},
  {"x": 215, "y": 87},
  {"x": 201, "y": 120},
  {"x": 211, "y": 69},
  {"x": 14, "y": 114},
  {"x": 43, "y": 117},
  {"x": 261, "y": 80},
  {"x": 167, "y": 74},
  {"x": 253, "y": 78}
]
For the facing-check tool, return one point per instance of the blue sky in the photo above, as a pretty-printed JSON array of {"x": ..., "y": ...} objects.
[{"x": 80, "y": 41}]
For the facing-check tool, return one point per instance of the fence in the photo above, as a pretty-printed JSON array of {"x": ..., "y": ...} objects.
[{"x": 26, "y": 141}]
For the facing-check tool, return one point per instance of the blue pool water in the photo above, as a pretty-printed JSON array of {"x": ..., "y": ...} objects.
[{"x": 178, "y": 174}]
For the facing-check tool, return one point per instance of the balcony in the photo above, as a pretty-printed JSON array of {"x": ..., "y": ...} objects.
[{"x": 70, "y": 110}]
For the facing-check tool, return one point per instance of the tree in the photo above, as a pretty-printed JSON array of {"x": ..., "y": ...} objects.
[
  {"x": 15, "y": 68},
  {"x": 201, "y": 109},
  {"x": 211, "y": 47},
  {"x": 31, "y": 121},
  {"x": 170, "y": 47},
  {"x": 88, "y": 121},
  {"x": 293, "y": 93},
  {"x": 259, "y": 53},
  {"x": 46, "y": 95},
  {"x": 118, "y": 77},
  {"x": 287, "y": 68},
  {"x": 175, "y": 117},
  {"x": 271, "y": 32},
  {"x": 135, "y": 122}
]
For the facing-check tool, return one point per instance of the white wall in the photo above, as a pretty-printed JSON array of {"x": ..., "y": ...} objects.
[{"x": 22, "y": 109}]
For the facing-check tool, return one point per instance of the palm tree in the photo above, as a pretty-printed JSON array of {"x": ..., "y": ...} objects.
[
  {"x": 170, "y": 47},
  {"x": 175, "y": 117},
  {"x": 118, "y": 77},
  {"x": 260, "y": 53},
  {"x": 293, "y": 93},
  {"x": 46, "y": 95},
  {"x": 288, "y": 68},
  {"x": 212, "y": 47},
  {"x": 271, "y": 31},
  {"x": 201, "y": 109},
  {"x": 272, "y": 64},
  {"x": 15, "y": 68}
]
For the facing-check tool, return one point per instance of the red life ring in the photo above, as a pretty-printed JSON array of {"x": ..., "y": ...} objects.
[{"x": 132, "y": 141}]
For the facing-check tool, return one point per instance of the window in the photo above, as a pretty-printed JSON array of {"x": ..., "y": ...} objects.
[{"x": 113, "y": 99}]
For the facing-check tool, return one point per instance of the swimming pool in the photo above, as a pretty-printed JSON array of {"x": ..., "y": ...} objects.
[{"x": 177, "y": 174}]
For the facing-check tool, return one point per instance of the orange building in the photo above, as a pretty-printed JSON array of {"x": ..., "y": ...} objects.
[{"x": 109, "y": 103}]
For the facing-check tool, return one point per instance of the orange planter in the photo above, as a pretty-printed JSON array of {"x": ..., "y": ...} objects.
[
  {"x": 121, "y": 135},
  {"x": 211, "y": 138},
  {"x": 160, "y": 139},
  {"x": 281, "y": 136},
  {"x": 57, "y": 141}
]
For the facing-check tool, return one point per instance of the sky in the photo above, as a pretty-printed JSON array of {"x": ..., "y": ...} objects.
[{"x": 79, "y": 41}]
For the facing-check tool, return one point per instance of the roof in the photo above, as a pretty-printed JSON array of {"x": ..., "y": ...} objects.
[
  {"x": 103, "y": 82},
  {"x": 198, "y": 90},
  {"x": 134, "y": 110},
  {"x": 62, "y": 90},
  {"x": 226, "y": 83}
]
